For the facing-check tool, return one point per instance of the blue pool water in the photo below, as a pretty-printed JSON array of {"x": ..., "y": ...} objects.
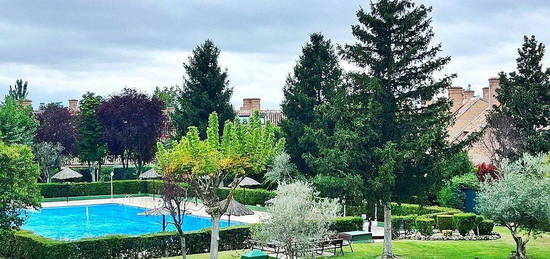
[{"x": 70, "y": 223}]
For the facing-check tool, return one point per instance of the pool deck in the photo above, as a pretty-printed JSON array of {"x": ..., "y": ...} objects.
[{"x": 150, "y": 203}]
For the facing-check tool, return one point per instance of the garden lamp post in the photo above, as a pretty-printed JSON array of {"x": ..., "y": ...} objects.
[{"x": 112, "y": 173}]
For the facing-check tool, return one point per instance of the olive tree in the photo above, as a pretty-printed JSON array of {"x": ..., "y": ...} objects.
[
  {"x": 297, "y": 219},
  {"x": 519, "y": 199},
  {"x": 241, "y": 150}
]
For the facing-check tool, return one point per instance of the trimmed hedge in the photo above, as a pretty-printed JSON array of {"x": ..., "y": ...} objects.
[
  {"x": 345, "y": 224},
  {"x": 444, "y": 222},
  {"x": 402, "y": 223},
  {"x": 425, "y": 226},
  {"x": 486, "y": 227},
  {"x": 24, "y": 244},
  {"x": 248, "y": 196},
  {"x": 51, "y": 190},
  {"x": 464, "y": 222}
]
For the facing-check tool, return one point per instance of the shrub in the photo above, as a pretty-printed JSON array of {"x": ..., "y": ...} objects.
[
  {"x": 486, "y": 227},
  {"x": 402, "y": 223},
  {"x": 425, "y": 226},
  {"x": 464, "y": 222},
  {"x": 24, "y": 244},
  {"x": 51, "y": 190},
  {"x": 249, "y": 196},
  {"x": 444, "y": 222},
  {"x": 452, "y": 194},
  {"x": 486, "y": 172},
  {"x": 345, "y": 224}
]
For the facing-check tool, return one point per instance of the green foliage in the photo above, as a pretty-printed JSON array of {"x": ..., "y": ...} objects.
[
  {"x": 524, "y": 97},
  {"x": 18, "y": 174},
  {"x": 464, "y": 222},
  {"x": 205, "y": 90},
  {"x": 313, "y": 83},
  {"x": 48, "y": 155},
  {"x": 248, "y": 196},
  {"x": 167, "y": 95},
  {"x": 17, "y": 123},
  {"x": 19, "y": 91},
  {"x": 452, "y": 195},
  {"x": 444, "y": 222},
  {"x": 403, "y": 223},
  {"x": 347, "y": 188},
  {"x": 425, "y": 226},
  {"x": 405, "y": 209},
  {"x": 52, "y": 190},
  {"x": 519, "y": 200},
  {"x": 486, "y": 227},
  {"x": 345, "y": 224},
  {"x": 282, "y": 170},
  {"x": 25, "y": 244},
  {"x": 91, "y": 148}
]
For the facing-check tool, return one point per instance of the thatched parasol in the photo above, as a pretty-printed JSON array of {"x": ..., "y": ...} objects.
[
  {"x": 235, "y": 209},
  {"x": 157, "y": 212},
  {"x": 247, "y": 181},
  {"x": 65, "y": 174},
  {"x": 149, "y": 174}
]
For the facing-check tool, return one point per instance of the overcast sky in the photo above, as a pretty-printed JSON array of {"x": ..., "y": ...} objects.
[{"x": 64, "y": 48}]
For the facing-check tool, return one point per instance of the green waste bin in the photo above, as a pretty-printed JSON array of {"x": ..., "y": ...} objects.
[{"x": 256, "y": 254}]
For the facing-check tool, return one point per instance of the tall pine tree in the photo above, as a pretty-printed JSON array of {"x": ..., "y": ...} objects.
[
  {"x": 205, "y": 90},
  {"x": 388, "y": 129},
  {"x": 313, "y": 82},
  {"x": 91, "y": 146},
  {"x": 525, "y": 97}
]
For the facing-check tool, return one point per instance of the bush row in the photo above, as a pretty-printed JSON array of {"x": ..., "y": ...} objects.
[
  {"x": 249, "y": 196},
  {"x": 25, "y": 244},
  {"x": 51, "y": 190},
  {"x": 463, "y": 222}
]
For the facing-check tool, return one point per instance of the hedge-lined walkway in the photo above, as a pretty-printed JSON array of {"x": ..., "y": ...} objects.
[{"x": 536, "y": 249}]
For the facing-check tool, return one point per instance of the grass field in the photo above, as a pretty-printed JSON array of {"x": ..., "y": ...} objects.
[{"x": 536, "y": 249}]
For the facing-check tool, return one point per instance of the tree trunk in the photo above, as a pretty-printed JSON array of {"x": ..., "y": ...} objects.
[
  {"x": 388, "y": 251},
  {"x": 183, "y": 248},
  {"x": 521, "y": 253},
  {"x": 215, "y": 236}
]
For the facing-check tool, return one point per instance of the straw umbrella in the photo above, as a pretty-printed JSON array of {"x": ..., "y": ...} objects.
[
  {"x": 247, "y": 182},
  {"x": 149, "y": 174},
  {"x": 66, "y": 174},
  {"x": 235, "y": 209},
  {"x": 157, "y": 212}
]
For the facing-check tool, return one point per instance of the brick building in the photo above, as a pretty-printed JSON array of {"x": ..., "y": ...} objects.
[
  {"x": 470, "y": 116},
  {"x": 254, "y": 104}
]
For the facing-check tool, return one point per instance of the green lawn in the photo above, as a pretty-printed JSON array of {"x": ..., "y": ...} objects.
[{"x": 536, "y": 249}]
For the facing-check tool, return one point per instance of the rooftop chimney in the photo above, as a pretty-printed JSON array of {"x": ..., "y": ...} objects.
[
  {"x": 468, "y": 94},
  {"x": 73, "y": 106},
  {"x": 27, "y": 103},
  {"x": 250, "y": 104},
  {"x": 486, "y": 94},
  {"x": 456, "y": 95},
  {"x": 494, "y": 84}
]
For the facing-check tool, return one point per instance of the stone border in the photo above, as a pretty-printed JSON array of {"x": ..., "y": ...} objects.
[{"x": 454, "y": 237}]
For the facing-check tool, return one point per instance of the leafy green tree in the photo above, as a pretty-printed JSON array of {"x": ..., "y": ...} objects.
[
  {"x": 18, "y": 174},
  {"x": 91, "y": 147},
  {"x": 205, "y": 90},
  {"x": 19, "y": 91},
  {"x": 49, "y": 157},
  {"x": 281, "y": 171},
  {"x": 17, "y": 123},
  {"x": 167, "y": 94},
  {"x": 388, "y": 130},
  {"x": 519, "y": 200},
  {"x": 347, "y": 188},
  {"x": 525, "y": 97},
  {"x": 298, "y": 219},
  {"x": 243, "y": 149},
  {"x": 313, "y": 82}
]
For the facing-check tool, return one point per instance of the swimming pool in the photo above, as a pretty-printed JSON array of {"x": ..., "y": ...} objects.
[{"x": 72, "y": 222}]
